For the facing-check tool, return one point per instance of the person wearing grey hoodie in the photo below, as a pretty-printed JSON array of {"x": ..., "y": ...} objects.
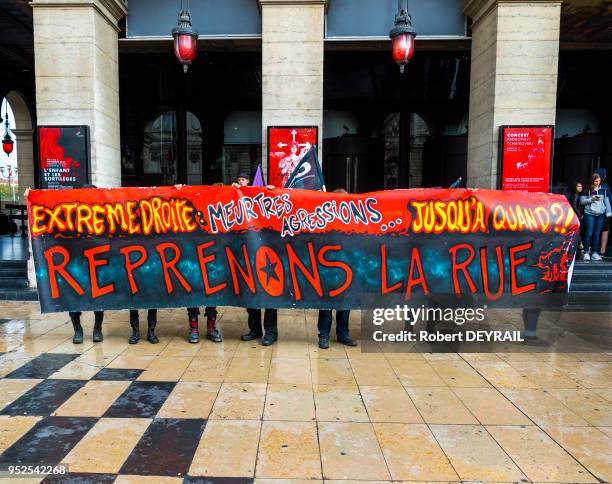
[{"x": 596, "y": 203}]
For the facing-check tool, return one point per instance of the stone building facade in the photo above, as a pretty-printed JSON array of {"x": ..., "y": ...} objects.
[{"x": 511, "y": 48}]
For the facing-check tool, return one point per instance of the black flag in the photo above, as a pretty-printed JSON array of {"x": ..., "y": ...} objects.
[{"x": 307, "y": 174}]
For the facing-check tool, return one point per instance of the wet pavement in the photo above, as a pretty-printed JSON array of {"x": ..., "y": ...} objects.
[{"x": 236, "y": 412}]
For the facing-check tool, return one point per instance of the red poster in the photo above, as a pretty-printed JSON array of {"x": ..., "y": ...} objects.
[
  {"x": 63, "y": 156},
  {"x": 286, "y": 147},
  {"x": 526, "y": 158}
]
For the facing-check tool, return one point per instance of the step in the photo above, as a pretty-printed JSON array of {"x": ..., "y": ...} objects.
[
  {"x": 13, "y": 282},
  {"x": 591, "y": 286},
  {"x": 13, "y": 271},
  {"x": 5, "y": 264},
  {"x": 18, "y": 295},
  {"x": 590, "y": 298},
  {"x": 590, "y": 276},
  {"x": 593, "y": 266}
]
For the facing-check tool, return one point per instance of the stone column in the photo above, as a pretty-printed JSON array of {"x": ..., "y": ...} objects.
[
  {"x": 77, "y": 75},
  {"x": 292, "y": 65},
  {"x": 515, "y": 52}
]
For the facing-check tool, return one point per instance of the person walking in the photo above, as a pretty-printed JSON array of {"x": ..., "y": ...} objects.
[{"x": 596, "y": 207}]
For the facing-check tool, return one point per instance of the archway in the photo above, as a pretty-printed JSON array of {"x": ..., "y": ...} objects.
[
  {"x": 24, "y": 141},
  {"x": 23, "y": 135}
]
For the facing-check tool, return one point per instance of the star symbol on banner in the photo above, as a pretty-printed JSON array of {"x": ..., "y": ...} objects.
[{"x": 270, "y": 270}]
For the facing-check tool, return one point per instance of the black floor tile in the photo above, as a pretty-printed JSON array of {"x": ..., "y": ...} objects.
[
  {"x": 142, "y": 399},
  {"x": 2, "y": 321},
  {"x": 43, "y": 366},
  {"x": 49, "y": 441},
  {"x": 166, "y": 448},
  {"x": 44, "y": 398},
  {"x": 80, "y": 478},
  {"x": 217, "y": 480},
  {"x": 117, "y": 374}
]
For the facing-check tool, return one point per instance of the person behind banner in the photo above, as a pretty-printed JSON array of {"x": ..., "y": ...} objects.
[
  {"x": 342, "y": 320},
  {"x": 269, "y": 334},
  {"x": 530, "y": 326},
  {"x": 242, "y": 180},
  {"x": 596, "y": 208},
  {"x": 75, "y": 316},
  {"x": 270, "y": 322},
  {"x": 212, "y": 333},
  {"x": 135, "y": 324}
]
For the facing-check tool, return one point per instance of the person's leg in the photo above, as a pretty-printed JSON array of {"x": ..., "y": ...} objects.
[
  {"x": 194, "y": 328},
  {"x": 254, "y": 322},
  {"x": 604, "y": 242},
  {"x": 324, "y": 326},
  {"x": 212, "y": 333},
  {"x": 342, "y": 328},
  {"x": 588, "y": 234},
  {"x": 270, "y": 327},
  {"x": 97, "y": 332},
  {"x": 135, "y": 324},
  {"x": 530, "y": 324},
  {"x": 597, "y": 226},
  {"x": 75, "y": 317},
  {"x": 151, "y": 324}
]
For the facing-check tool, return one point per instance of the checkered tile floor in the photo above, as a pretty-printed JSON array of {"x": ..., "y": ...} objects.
[{"x": 237, "y": 412}]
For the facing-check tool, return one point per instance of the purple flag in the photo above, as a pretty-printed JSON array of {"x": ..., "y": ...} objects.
[{"x": 258, "y": 181}]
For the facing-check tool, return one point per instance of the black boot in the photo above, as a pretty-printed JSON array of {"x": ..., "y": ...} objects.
[
  {"x": 77, "y": 339},
  {"x": 135, "y": 324},
  {"x": 152, "y": 322},
  {"x": 97, "y": 331},
  {"x": 254, "y": 323}
]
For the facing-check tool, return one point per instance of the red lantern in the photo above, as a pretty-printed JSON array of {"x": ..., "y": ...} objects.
[
  {"x": 7, "y": 144},
  {"x": 185, "y": 40},
  {"x": 402, "y": 37},
  {"x": 402, "y": 48}
]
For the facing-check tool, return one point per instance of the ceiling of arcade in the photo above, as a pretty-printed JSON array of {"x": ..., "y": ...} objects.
[{"x": 585, "y": 24}]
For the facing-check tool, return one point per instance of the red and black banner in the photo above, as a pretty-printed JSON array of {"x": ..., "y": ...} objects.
[{"x": 167, "y": 247}]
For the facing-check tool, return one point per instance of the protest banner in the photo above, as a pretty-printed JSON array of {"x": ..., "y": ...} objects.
[{"x": 253, "y": 247}]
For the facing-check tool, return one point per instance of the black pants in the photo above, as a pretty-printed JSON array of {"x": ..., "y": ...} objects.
[
  {"x": 269, "y": 323},
  {"x": 342, "y": 323},
  {"x": 151, "y": 315},
  {"x": 530, "y": 321},
  {"x": 209, "y": 312},
  {"x": 99, "y": 315}
]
